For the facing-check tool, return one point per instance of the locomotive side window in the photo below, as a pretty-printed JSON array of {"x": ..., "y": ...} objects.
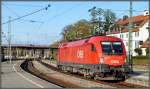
[
  {"x": 106, "y": 47},
  {"x": 93, "y": 48},
  {"x": 117, "y": 47}
]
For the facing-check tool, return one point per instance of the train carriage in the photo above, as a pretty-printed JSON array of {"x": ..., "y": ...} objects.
[{"x": 99, "y": 56}]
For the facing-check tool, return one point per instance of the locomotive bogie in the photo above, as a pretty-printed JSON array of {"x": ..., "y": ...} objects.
[{"x": 94, "y": 71}]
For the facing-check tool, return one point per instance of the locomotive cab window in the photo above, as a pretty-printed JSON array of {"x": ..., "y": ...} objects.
[
  {"x": 117, "y": 48},
  {"x": 93, "y": 48},
  {"x": 106, "y": 47},
  {"x": 112, "y": 48}
]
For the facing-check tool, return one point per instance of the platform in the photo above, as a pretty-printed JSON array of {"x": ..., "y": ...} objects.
[{"x": 12, "y": 76}]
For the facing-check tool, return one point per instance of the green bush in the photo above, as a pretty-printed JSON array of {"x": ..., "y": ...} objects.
[
  {"x": 138, "y": 51},
  {"x": 147, "y": 51}
]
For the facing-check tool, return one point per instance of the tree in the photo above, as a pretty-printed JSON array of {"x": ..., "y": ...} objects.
[
  {"x": 95, "y": 14},
  {"x": 82, "y": 29},
  {"x": 78, "y": 30},
  {"x": 103, "y": 18},
  {"x": 109, "y": 19},
  {"x": 138, "y": 51},
  {"x": 67, "y": 32}
]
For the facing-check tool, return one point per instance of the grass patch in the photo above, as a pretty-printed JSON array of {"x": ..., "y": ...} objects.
[
  {"x": 140, "y": 57},
  {"x": 140, "y": 60}
]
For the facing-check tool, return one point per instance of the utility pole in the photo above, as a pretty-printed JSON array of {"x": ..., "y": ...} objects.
[
  {"x": 130, "y": 38},
  {"x": 1, "y": 45},
  {"x": 9, "y": 40},
  {"x": 1, "y": 55}
]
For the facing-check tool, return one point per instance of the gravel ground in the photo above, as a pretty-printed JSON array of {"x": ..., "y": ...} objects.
[
  {"x": 139, "y": 80},
  {"x": 68, "y": 78}
]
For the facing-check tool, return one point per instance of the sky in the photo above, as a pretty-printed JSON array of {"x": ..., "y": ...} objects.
[{"x": 50, "y": 23}]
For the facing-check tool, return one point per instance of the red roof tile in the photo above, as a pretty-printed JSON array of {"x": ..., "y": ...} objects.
[
  {"x": 141, "y": 20},
  {"x": 134, "y": 19}
]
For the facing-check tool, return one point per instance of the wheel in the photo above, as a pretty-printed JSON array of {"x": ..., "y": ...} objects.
[{"x": 123, "y": 78}]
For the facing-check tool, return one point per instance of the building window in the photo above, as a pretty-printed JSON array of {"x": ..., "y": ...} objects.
[
  {"x": 121, "y": 35},
  {"x": 136, "y": 34},
  {"x": 140, "y": 42},
  {"x": 126, "y": 35},
  {"x": 136, "y": 44},
  {"x": 120, "y": 29},
  {"x": 126, "y": 43}
]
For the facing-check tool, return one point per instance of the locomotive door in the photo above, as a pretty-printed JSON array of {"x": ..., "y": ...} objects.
[{"x": 93, "y": 54}]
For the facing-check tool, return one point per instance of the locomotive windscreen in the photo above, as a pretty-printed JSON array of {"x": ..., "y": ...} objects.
[
  {"x": 106, "y": 47},
  {"x": 117, "y": 48},
  {"x": 112, "y": 48}
]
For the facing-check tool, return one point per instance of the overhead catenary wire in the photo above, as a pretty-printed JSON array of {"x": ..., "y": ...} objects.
[
  {"x": 3, "y": 34},
  {"x": 23, "y": 5},
  {"x": 39, "y": 10},
  {"x": 57, "y": 15},
  {"x": 45, "y": 8},
  {"x": 64, "y": 12},
  {"x": 20, "y": 17},
  {"x": 10, "y": 10},
  {"x": 17, "y": 15}
]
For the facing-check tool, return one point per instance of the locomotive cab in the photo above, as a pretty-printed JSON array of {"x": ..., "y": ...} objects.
[{"x": 111, "y": 60}]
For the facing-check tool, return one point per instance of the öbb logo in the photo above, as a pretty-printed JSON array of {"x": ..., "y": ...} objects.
[
  {"x": 80, "y": 54},
  {"x": 114, "y": 61}
]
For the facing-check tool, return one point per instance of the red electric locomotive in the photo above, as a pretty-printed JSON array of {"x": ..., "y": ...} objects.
[{"x": 98, "y": 57}]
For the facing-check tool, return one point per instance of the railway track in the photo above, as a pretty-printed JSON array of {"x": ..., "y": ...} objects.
[
  {"x": 117, "y": 84},
  {"x": 28, "y": 66}
]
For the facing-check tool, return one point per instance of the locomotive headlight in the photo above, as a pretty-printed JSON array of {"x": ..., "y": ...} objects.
[{"x": 101, "y": 60}]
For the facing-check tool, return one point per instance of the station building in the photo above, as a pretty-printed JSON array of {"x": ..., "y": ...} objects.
[{"x": 20, "y": 51}]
